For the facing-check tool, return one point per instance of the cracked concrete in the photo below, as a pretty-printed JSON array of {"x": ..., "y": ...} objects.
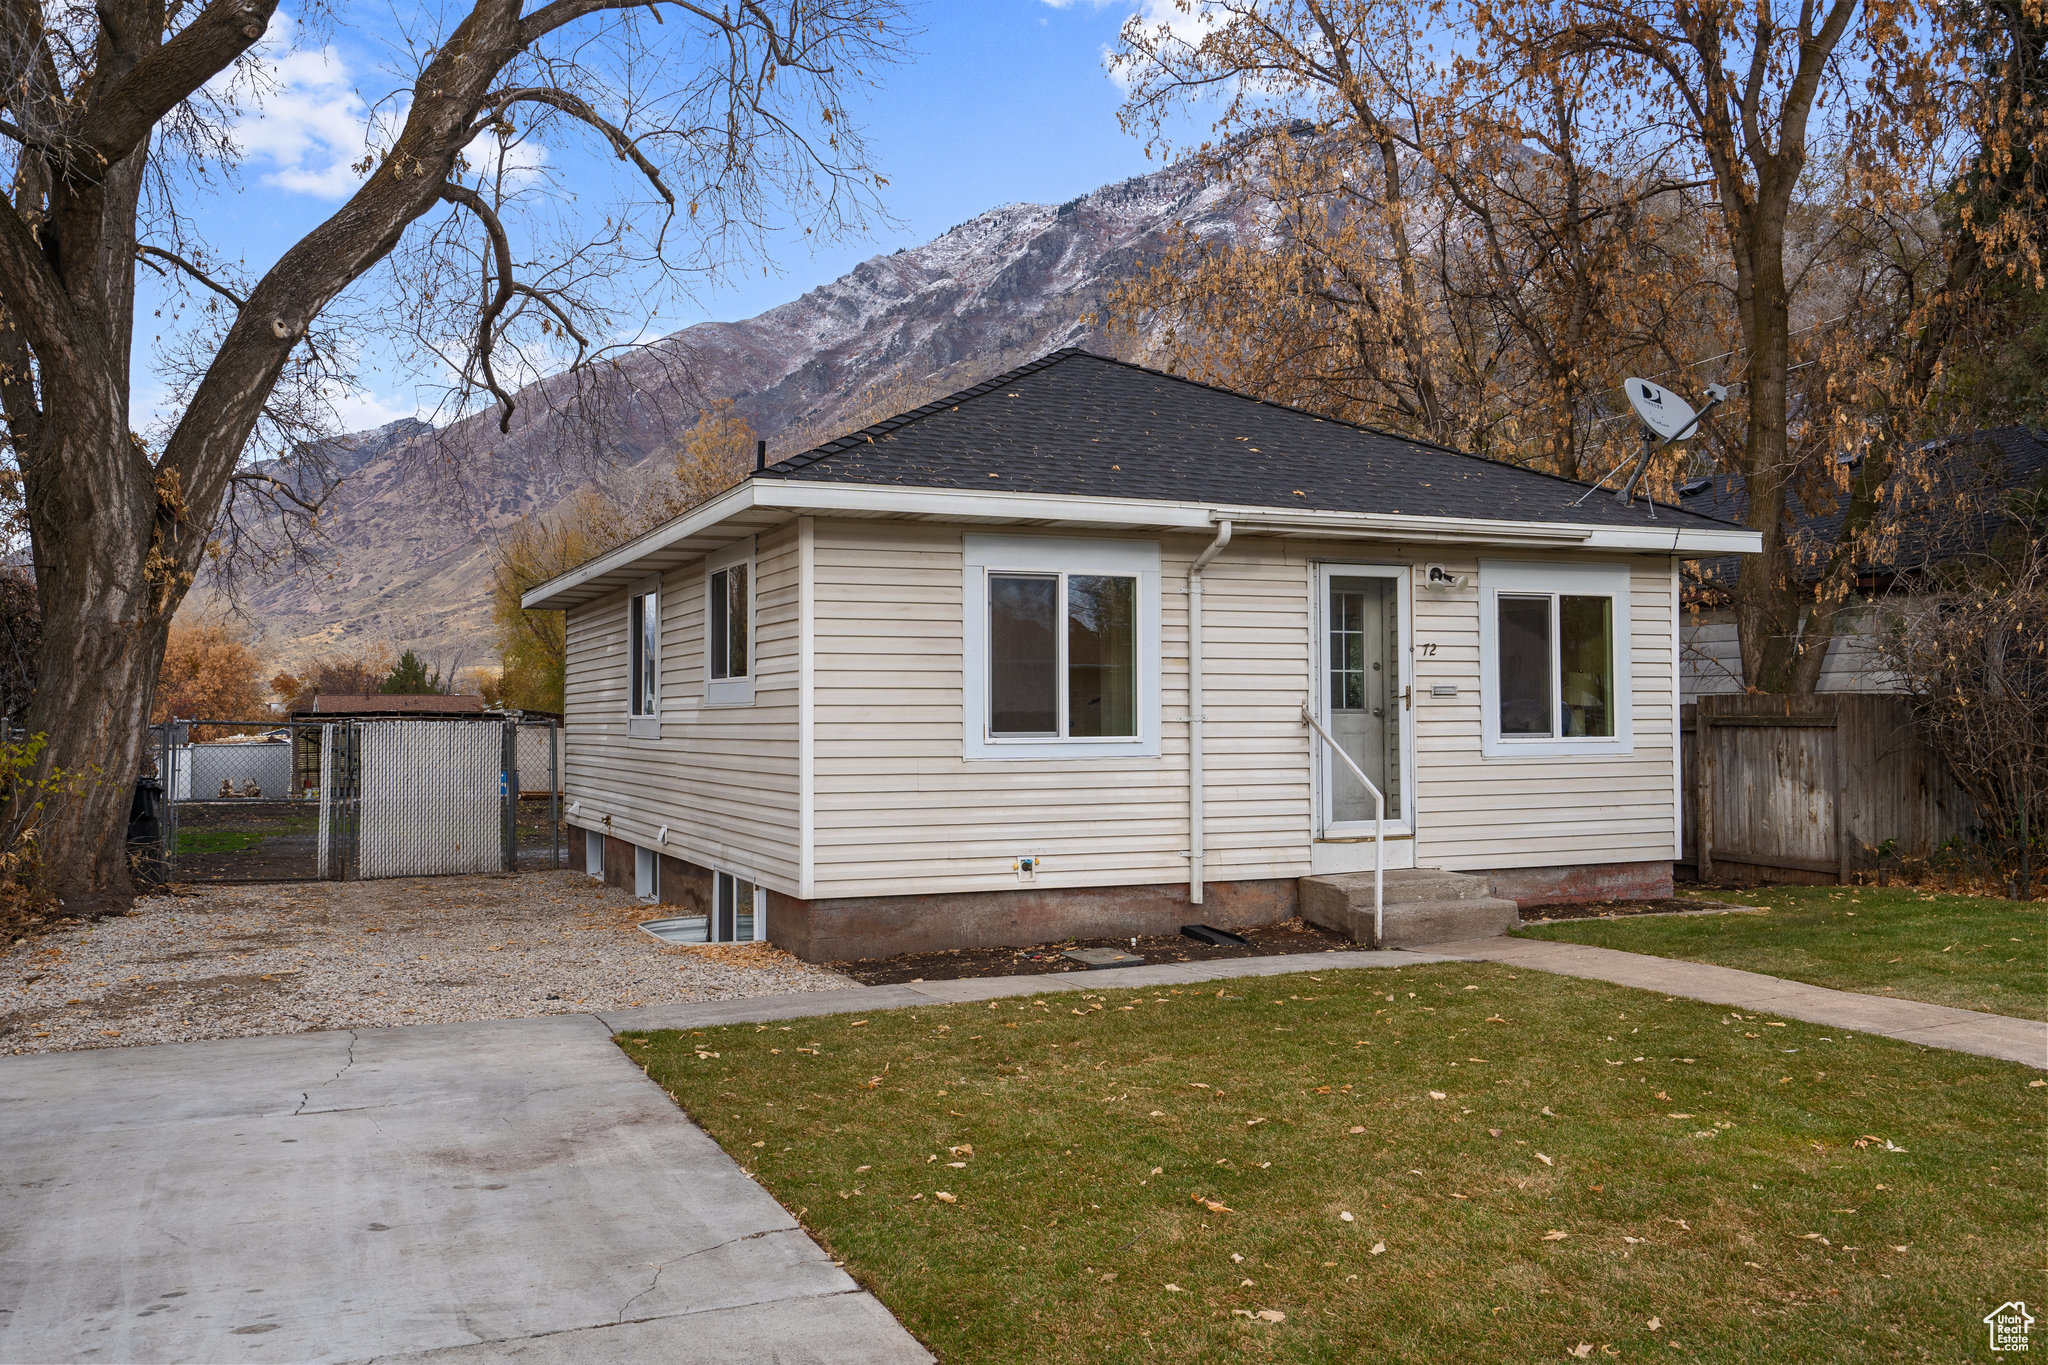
[{"x": 467, "y": 1192}]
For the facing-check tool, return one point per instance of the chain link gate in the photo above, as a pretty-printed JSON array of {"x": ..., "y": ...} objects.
[{"x": 379, "y": 798}]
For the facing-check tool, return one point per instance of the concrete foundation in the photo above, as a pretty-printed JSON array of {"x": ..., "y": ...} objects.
[
  {"x": 883, "y": 926},
  {"x": 1581, "y": 882}
]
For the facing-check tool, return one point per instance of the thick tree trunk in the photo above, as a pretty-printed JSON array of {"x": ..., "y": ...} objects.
[{"x": 107, "y": 593}]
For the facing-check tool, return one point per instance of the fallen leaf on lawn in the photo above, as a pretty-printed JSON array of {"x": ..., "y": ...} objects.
[
  {"x": 945, "y": 1198},
  {"x": 1246, "y": 1284},
  {"x": 1555, "y": 1236},
  {"x": 1347, "y": 1217},
  {"x": 1438, "y": 1095},
  {"x": 1546, "y": 1112},
  {"x": 1271, "y": 1315},
  {"x": 1662, "y": 1096},
  {"x": 1356, "y": 1130},
  {"x": 1237, "y": 1258},
  {"x": 964, "y": 1149},
  {"x": 1377, "y": 1248},
  {"x": 858, "y": 1169},
  {"x": 1580, "y": 1351},
  {"x": 2032, "y": 1084},
  {"x": 1242, "y": 1313},
  {"x": 1654, "y": 1324},
  {"x": 1156, "y": 1170},
  {"x": 957, "y": 1165},
  {"x": 858, "y": 1023},
  {"x": 1175, "y": 1289},
  {"x": 1545, "y": 1160},
  {"x": 1815, "y": 1237},
  {"x": 1903, "y": 1248},
  {"x": 1253, "y": 1123}
]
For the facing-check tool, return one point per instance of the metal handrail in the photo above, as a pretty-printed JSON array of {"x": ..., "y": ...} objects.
[{"x": 1379, "y": 825}]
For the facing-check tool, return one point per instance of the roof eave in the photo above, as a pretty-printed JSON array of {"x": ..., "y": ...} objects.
[{"x": 766, "y": 500}]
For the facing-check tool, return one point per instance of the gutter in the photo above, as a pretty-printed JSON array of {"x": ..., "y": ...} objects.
[{"x": 1195, "y": 710}]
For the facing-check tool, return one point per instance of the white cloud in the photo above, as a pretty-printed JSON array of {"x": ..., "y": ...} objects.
[
  {"x": 368, "y": 411},
  {"x": 524, "y": 160},
  {"x": 305, "y": 131}
]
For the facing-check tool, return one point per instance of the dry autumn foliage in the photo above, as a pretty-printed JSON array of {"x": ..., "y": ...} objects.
[
  {"x": 716, "y": 453},
  {"x": 1476, "y": 218},
  {"x": 209, "y": 673}
]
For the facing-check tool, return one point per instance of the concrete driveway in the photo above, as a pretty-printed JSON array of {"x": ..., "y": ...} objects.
[{"x": 498, "y": 1191}]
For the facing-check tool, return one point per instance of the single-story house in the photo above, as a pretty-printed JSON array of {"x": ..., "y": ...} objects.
[{"x": 1057, "y": 655}]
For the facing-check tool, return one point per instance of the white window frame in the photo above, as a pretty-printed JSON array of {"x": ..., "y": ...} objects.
[
  {"x": 639, "y": 724},
  {"x": 733, "y": 691},
  {"x": 760, "y": 907},
  {"x": 986, "y": 555},
  {"x": 1399, "y": 814},
  {"x": 1553, "y": 580}
]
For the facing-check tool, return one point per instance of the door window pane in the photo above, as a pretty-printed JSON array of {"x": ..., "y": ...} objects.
[
  {"x": 1102, "y": 656},
  {"x": 1526, "y": 706},
  {"x": 1364, "y": 714},
  {"x": 1585, "y": 629},
  {"x": 1023, "y": 658}
]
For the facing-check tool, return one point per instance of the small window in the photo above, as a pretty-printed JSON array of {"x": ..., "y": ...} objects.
[
  {"x": 736, "y": 910},
  {"x": 729, "y": 622},
  {"x": 1556, "y": 671},
  {"x": 643, "y": 633},
  {"x": 729, "y": 626}
]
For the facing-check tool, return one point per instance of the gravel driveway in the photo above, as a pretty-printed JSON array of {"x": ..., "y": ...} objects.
[{"x": 230, "y": 961}]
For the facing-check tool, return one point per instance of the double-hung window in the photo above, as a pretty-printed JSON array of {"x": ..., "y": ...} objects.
[
  {"x": 1554, "y": 659},
  {"x": 643, "y": 660},
  {"x": 1061, "y": 647},
  {"x": 729, "y": 626}
]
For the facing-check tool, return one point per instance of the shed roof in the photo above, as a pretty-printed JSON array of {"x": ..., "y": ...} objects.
[{"x": 388, "y": 704}]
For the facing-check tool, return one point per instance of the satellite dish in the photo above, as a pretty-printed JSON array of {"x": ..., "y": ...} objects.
[{"x": 1666, "y": 414}]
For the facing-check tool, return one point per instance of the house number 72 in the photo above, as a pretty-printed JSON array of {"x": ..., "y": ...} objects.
[{"x": 1426, "y": 651}]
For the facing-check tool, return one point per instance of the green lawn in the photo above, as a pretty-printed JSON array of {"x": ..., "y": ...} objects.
[
  {"x": 210, "y": 839},
  {"x": 1529, "y": 1164},
  {"x": 1969, "y": 951}
]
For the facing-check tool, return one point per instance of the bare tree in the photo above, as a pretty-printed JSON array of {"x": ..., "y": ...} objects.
[{"x": 728, "y": 116}]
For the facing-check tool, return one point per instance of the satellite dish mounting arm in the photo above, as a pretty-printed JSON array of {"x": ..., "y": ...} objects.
[{"x": 1716, "y": 395}]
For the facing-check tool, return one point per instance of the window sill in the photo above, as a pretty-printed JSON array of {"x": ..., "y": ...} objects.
[
  {"x": 1013, "y": 750},
  {"x": 729, "y": 692},
  {"x": 1557, "y": 748}
]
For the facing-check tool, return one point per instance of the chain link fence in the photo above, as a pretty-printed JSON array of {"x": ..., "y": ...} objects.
[{"x": 348, "y": 799}]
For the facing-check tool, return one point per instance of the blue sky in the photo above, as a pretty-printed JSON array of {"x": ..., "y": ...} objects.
[{"x": 1001, "y": 101}]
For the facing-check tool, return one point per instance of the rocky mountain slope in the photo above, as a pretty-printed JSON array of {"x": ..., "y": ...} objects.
[{"x": 406, "y": 558}]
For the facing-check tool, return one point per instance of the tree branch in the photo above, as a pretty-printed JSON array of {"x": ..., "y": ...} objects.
[
  {"x": 502, "y": 249},
  {"x": 121, "y": 119},
  {"x": 144, "y": 249},
  {"x": 575, "y": 107}
]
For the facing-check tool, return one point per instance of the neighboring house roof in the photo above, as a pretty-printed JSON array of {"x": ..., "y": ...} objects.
[
  {"x": 1081, "y": 425},
  {"x": 1086, "y": 443},
  {"x": 382, "y": 704},
  {"x": 1961, "y": 513}
]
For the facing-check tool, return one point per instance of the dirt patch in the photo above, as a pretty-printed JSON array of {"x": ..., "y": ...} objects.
[
  {"x": 1669, "y": 905},
  {"x": 229, "y": 961},
  {"x": 954, "y": 964}
]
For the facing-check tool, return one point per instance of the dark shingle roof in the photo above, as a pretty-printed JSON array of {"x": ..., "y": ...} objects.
[{"x": 1082, "y": 425}]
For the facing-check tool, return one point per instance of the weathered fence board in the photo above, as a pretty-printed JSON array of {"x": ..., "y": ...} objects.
[{"x": 1807, "y": 789}]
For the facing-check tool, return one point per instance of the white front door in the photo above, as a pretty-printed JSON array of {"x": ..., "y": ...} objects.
[{"x": 1362, "y": 697}]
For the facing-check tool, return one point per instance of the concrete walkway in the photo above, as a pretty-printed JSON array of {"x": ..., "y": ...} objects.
[
  {"x": 458, "y": 1192},
  {"x": 1909, "y": 1021}
]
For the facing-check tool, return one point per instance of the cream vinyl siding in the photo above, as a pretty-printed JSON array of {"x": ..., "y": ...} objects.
[
  {"x": 900, "y": 811},
  {"x": 723, "y": 779},
  {"x": 1540, "y": 811}
]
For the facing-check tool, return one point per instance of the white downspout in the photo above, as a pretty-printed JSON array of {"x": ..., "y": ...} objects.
[{"x": 1195, "y": 709}]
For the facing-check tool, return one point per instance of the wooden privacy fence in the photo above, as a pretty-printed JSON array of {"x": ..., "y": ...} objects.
[{"x": 1808, "y": 789}]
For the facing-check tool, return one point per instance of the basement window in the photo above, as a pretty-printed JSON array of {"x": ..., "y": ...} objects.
[
  {"x": 1554, "y": 659},
  {"x": 1062, "y": 647}
]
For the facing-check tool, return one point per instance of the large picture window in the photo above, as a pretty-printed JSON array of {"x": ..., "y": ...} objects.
[
  {"x": 1555, "y": 664},
  {"x": 1062, "y": 647},
  {"x": 1063, "y": 655},
  {"x": 729, "y": 626}
]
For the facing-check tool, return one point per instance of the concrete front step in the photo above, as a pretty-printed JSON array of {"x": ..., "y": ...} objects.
[{"x": 1419, "y": 906}]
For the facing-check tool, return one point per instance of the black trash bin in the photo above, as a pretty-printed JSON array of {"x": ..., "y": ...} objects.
[{"x": 148, "y": 858}]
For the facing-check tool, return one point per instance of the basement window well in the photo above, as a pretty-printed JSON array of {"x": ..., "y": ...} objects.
[{"x": 738, "y": 914}]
